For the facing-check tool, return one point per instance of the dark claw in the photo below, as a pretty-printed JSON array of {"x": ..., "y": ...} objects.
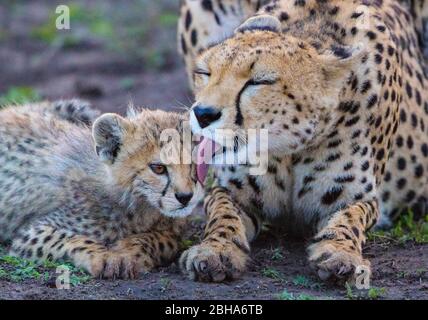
[{"x": 203, "y": 266}]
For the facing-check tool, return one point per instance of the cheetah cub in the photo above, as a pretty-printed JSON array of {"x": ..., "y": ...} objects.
[{"x": 103, "y": 199}]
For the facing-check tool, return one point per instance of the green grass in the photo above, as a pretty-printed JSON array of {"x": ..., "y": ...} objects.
[
  {"x": 151, "y": 40},
  {"x": 165, "y": 283},
  {"x": 376, "y": 293},
  {"x": 93, "y": 21},
  {"x": 19, "y": 269},
  {"x": 16, "y": 269},
  {"x": 277, "y": 255},
  {"x": 285, "y": 295},
  {"x": 186, "y": 244},
  {"x": 373, "y": 293},
  {"x": 406, "y": 229},
  {"x": 272, "y": 273},
  {"x": 48, "y": 33},
  {"x": 305, "y": 282},
  {"x": 19, "y": 95}
]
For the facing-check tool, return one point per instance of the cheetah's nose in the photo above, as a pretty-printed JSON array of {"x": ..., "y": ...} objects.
[
  {"x": 206, "y": 115},
  {"x": 184, "y": 198}
]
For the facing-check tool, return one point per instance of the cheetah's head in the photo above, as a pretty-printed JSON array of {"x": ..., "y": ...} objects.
[
  {"x": 135, "y": 151},
  {"x": 262, "y": 78}
]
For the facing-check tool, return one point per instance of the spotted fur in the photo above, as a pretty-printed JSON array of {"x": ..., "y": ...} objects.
[
  {"x": 341, "y": 87},
  {"x": 110, "y": 214}
]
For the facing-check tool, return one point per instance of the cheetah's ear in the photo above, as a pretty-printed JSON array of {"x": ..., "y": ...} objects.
[
  {"x": 108, "y": 132},
  {"x": 337, "y": 65},
  {"x": 343, "y": 58},
  {"x": 342, "y": 55},
  {"x": 339, "y": 61},
  {"x": 262, "y": 22}
]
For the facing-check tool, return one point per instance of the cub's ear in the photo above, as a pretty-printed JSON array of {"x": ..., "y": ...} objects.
[
  {"x": 108, "y": 133},
  {"x": 262, "y": 22}
]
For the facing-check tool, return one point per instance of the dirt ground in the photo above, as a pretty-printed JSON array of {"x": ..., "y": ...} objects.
[
  {"x": 278, "y": 270},
  {"x": 125, "y": 53}
]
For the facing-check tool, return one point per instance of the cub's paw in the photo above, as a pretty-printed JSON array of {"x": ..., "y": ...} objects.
[
  {"x": 334, "y": 262},
  {"x": 113, "y": 265},
  {"x": 215, "y": 261}
]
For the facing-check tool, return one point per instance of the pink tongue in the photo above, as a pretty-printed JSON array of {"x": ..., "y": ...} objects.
[{"x": 206, "y": 149}]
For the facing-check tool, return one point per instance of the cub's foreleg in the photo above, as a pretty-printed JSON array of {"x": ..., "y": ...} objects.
[
  {"x": 126, "y": 259},
  {"x": 150, "y": 249}
]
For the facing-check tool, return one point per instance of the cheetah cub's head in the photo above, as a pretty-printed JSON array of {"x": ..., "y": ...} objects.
[
  {"x": 262, "y": 78},
  {"x": 137, "y": 152}
]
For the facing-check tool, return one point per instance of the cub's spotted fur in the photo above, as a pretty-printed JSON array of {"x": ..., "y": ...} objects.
[{"x": 115, "y": 214}]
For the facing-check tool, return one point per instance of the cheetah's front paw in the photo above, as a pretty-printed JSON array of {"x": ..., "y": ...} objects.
[
  {"x": 333, "y": 262},
  {"x": 113, "y": 265},
  {"x": 215, "y": 261}
]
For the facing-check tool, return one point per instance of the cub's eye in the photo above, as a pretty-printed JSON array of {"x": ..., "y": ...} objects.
[{"x": 158, "y": 168}]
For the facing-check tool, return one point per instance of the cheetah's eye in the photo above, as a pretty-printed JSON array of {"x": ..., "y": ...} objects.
[
  {"x": 158, "y": 168},
  {"x": 261, "y": 82},
  {"x": 202, "y": 72},
  {"x": 201, "y": 78}
]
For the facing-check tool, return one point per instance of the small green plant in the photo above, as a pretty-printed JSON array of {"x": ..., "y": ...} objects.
[
  {"x": 78, "y": 279},
  {"x": 273, "y": 274},
  {"x": 19, "y": 95},
  {"x": 77, "y": 275},
  {"x": 285, "y": 295},
  {"x": 210, "y": 179},
  {"x": 305, "y": 282},
  {"x": 186, "y": 244},
  {"x": 91, "y": 20},
  {"x": 277, "y": 254},
  {"x": 406, "y": 229},
  {"x": 420, "y": 272},
  {"x": 18, "y": 269},
  {"x": 375, "y": 293},
  {"x": 3, "y": 273},
  {"x": 349, "y": 292},
  {"x": 21, "y": 269},
  {"x": 301, "y": 281},
  {"x": 165, "y": 283}
]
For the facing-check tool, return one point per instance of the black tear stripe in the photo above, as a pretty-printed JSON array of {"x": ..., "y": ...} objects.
[
  {"x": 239, "y": 120},
  {"x": 167, "y": 184}
]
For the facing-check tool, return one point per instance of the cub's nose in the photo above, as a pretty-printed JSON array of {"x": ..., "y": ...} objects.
[
  {"x": 184, "y": 198},
  {"x": 206, "y": 115}
]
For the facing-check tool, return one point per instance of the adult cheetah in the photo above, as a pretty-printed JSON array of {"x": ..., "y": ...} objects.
[{"x": 342, "y": 90}]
